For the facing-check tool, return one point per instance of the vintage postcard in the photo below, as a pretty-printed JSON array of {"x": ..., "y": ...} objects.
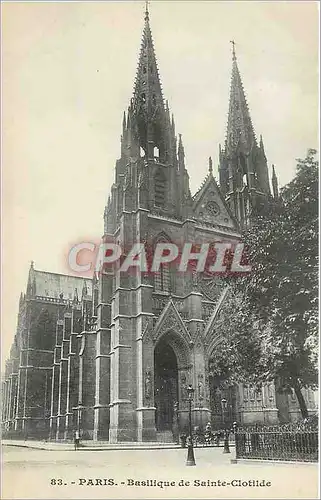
[{"x": 160, "y": 249}]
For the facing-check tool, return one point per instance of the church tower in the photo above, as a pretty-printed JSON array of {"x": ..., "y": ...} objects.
[
  {"x": 149, "y": 174},
  {"x": 243, "y": 169},
  {"x": 151, "y": 328}
]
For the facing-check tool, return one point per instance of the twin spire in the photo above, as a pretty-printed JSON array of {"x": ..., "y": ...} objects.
[
  {"x": 240, "y": 132},
  {"x": 148, "y": 103}
]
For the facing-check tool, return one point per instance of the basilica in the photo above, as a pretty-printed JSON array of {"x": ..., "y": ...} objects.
[{"x": 113, "y": 356}]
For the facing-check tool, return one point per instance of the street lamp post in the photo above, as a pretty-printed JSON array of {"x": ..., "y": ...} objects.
[
  {"x": 226, "y": 433},
  {"x": 190, "y": 450}
]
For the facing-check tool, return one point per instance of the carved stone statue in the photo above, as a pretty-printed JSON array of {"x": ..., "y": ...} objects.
[
  {"x": 148, "y": 385},
  {"x": 184, "y": 387},
  {"x": 201, "y": 392}
]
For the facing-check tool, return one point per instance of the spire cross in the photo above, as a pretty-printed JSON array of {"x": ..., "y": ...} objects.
[
  {"x": 233, "y": 50},
  {"x": 146, "y": 9}
]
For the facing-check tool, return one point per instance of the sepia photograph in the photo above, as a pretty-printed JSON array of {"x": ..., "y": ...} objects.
[{"x": 160, "y": 274}]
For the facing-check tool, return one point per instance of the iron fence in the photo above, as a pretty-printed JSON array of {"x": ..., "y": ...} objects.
[
  {"x": 281, "y": 444},
  {"x": 203, "y": 439}
]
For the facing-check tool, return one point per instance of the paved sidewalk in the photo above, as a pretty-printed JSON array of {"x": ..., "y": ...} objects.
[
  {"x": 94, "y": 445},
  {"x": 87, "y": 445},
  {"x": 36, "y": 474}
]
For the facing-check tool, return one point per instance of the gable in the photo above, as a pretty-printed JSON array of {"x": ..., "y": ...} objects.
[
  {"x": 170, "y": 319},
  {"x": 209, "y": 205}
]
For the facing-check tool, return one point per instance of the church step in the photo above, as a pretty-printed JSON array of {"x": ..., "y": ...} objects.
[{"x": 164, "y": 437}]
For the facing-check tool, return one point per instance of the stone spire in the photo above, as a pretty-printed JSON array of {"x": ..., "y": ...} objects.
[
  {"x": 147, "y": 88},
  {"x": 31, "y": 285},
  {"x": 181, "y": 152},
  {"x": 275, "y": 183},
  {"x": 243, "y": 170},
  {"x": 262, "y": 147},
  {"x": 240, "y": 132}
]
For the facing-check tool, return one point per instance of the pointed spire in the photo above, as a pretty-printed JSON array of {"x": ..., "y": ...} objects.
[
  {"x": 210, "y": 165},
  {"x": 84, "y": 290},
  {"x": 173, "y": 124},
  {"x": 128, "y": 118},
  {"x": 181, "y": 152},
  {"x": 124, "y": 122},
  {"x": 240, "y": 130},
  {"x": 31, "y": 285},
  {"x": 262, "y": 146},
  {"x": 147, "y": 88},
  {"x": 275, "y": 183},
  {"x": 233, "y": 50}
]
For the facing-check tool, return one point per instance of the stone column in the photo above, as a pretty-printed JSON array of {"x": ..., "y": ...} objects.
[
  {"x": 102, "y": 392},
  {"x": 71, "y": 398},
  {"x": 63, "y": 377},
  {"x": 122, "y": 422},
  {"x": 14, "y": 397},
  {"x": 62, "y": 398},
  {"x": 87, "y": 379},
  {"x": 146, "y": 430},
  {"x": 5, "y": 401},
  {"x": 20, "y": 399}
]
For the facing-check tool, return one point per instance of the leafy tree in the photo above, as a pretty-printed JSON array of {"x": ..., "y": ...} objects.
[{"x": 270, "y": 324}]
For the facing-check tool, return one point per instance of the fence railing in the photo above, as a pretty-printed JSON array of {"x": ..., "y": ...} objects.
[
  {"x": 206, "y": 439},
  {"x": 287, "y": 445}
]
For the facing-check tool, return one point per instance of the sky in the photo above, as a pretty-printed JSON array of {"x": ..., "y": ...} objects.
[{"x": 67, "y": 76}]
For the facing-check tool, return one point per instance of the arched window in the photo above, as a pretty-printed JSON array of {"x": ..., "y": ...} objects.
[
  {"x": 160, "y": 188},
  {"x": 162, "y": 279}
]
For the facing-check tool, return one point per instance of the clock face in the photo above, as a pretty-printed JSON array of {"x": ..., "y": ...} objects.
[{"x": 213, "y": 208}]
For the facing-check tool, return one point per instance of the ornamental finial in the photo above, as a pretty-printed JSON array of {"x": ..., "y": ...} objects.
[
  {"x": 233, "y": 49},
  {"x": 146, "y": 10}
]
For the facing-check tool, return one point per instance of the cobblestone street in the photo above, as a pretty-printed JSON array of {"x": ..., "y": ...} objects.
[{"x": 30, "y": 473}]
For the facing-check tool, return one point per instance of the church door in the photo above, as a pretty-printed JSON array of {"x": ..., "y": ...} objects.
[{"x": 166, "y": 386}]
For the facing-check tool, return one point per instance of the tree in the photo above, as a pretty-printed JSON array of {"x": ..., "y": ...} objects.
[{"x": 273, "y": 332}]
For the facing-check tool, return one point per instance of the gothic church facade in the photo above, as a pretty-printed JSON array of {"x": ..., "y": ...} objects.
[{"x": 113, "y": 355}]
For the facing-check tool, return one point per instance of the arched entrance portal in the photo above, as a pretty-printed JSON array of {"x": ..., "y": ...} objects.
[{"x": 166, "y": 385}]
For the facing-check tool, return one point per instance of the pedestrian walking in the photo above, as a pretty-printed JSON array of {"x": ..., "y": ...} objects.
[{"x": 76, "y": 439}]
